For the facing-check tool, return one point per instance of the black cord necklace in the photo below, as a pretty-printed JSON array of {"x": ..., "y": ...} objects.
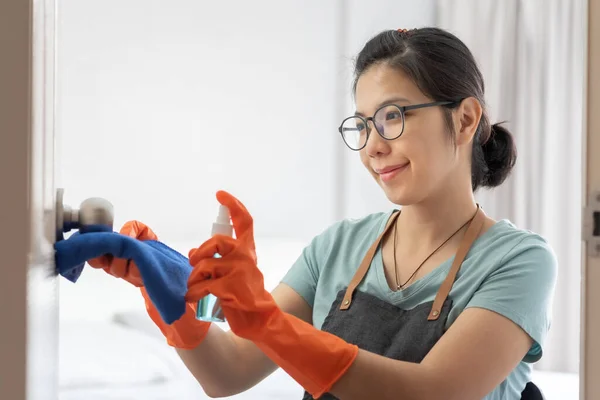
[{"x": 401, "y": 286}]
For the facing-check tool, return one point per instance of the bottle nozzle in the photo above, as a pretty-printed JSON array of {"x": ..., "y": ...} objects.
[
  {"x": 222, "y": 225},
  {"x": 223, "y": 217}
]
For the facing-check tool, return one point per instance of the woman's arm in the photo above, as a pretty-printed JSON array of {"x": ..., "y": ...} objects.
[
  {"x": 225, "y": 364},
  {"x": 474, "y": 356}
]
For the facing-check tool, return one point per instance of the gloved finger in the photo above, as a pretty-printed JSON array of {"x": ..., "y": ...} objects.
[
  {"x": 220, "y": 244},
  {"x": 138, "y": 230},
  {"x": 196, "y": 292},
  {"x": 133, "y": 274},
  {"x": 228, "y": 299},
  {"x": 125, "y": 269},
  {"x": 119, "y": 267},
  {"x": 102, "y": 262},
  {"x": 218, "y": 287},
  {"x": 241, "y": 219},
  {"x": 209, "y": 268}
]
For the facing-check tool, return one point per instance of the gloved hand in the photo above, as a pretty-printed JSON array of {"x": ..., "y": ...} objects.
[
  {"x": 125, "y": 268},
  {"x": 315, "y": 359},
  {"x": 159, "y": 271}
]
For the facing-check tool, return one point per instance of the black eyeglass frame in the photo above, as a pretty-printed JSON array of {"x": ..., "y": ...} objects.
[{"x": 402, "y": 109}]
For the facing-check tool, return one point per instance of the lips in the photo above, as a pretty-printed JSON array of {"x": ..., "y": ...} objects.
[
  {"x": 387, "y": 174},
  {"x": 389, "y": 169}
]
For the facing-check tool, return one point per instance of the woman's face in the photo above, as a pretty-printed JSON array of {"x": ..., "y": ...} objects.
[{"x": 412, "y": 167}]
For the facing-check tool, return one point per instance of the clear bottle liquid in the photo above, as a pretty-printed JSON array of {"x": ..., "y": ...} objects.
[{"x": 209, "y": 307}]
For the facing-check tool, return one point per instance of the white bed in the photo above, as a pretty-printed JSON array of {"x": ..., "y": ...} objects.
[
  {"x": 107, "y": 361},
  {"x": 110, "y": 349}
]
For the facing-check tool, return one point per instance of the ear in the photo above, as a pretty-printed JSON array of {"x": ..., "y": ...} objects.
[{"x": 466, "y": 120}]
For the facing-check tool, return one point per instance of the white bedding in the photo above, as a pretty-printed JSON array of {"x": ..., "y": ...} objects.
[
  {"x": 111, "y": 350},
  {"x": 109, "y": 361}
]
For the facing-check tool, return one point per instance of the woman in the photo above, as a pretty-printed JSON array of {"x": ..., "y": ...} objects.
[{"x": 437, "y": 301}]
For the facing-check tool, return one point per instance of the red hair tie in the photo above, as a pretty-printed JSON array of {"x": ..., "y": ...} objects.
[{"x": 406, "y": 32}]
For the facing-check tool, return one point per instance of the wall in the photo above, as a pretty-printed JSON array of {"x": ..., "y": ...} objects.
[{"x": 161, "y": 104}]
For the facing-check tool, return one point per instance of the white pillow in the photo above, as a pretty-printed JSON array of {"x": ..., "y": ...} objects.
[{"x": 96, "y": 354}]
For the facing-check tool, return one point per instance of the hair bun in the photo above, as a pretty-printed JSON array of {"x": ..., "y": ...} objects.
[{"x": 500, "y": 154}]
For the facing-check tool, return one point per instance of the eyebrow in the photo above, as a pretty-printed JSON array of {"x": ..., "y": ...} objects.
[{"x": 388, "y": 101}]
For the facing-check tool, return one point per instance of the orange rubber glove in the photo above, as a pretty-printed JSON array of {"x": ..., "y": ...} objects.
[
  {"x": 122, "y": 268},
  {"x": 315, "y": 359},
  {"x": 185, "y": 333}
]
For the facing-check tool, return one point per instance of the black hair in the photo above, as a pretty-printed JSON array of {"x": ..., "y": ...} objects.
[{"x": 444, "y": 69}]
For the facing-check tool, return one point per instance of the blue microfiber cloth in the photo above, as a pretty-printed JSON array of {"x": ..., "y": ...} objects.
[{"x": 164, "y": 271}]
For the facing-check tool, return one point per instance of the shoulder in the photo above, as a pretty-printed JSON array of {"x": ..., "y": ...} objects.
[
  {"x": 516, "y": 263},
  {"x": 517, "y": 248},
  {"x": 349, "y": 231},
  {"x": 345, "y": 240}
]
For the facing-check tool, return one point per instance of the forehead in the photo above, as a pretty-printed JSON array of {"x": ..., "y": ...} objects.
[{"x": 381, "y": 83}]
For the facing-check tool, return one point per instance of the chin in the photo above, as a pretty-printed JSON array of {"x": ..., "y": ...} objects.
[
  {"x": 400, "y": 200},
  {"x": 401, "y": 195}
]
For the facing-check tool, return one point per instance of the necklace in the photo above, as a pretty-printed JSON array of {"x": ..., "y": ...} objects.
[{"x": 401, "y": 286}]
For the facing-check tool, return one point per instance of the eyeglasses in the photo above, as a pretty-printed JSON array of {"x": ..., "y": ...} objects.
[{"x": 388, "y": 121}]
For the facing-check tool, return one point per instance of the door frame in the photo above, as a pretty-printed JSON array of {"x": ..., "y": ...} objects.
[
  {"x": 590, "y": 272},
  {"x": 28, "y": 290},
  {"x": 16, "y": 38}
]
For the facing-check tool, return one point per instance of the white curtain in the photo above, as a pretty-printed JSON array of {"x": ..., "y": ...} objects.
[{"x": 532, "y": 55}]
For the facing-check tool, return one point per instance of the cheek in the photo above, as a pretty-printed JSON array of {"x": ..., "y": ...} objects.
[
  {"x": 430, "y": 155},
  {"x": 364, "y": 159},
  {"x": 432, "y": 163}
]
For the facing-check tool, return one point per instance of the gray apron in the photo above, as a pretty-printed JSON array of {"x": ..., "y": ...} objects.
[{"x": 382, "y": 328}]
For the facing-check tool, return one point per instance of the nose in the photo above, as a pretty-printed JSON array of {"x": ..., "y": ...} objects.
[{"x": 376, "y": 145}]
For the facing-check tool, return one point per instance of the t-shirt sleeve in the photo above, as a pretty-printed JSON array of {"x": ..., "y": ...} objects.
[
  {"x": 522, "y": 290},
  {"x": 303, "y": 276}
]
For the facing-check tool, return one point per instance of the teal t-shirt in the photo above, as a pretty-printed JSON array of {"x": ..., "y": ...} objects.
[{"x": 508, "y": 270}]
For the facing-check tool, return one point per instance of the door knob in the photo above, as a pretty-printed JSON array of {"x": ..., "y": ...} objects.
[{"x": 93, "y": 214}]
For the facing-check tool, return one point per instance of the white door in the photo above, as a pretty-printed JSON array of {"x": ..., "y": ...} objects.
[
  {"x": 28, "y": 290},
  {"x": 590, "y": 307}
]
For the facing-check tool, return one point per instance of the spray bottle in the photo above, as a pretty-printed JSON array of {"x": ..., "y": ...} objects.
[{"x": 209, "y": 308}]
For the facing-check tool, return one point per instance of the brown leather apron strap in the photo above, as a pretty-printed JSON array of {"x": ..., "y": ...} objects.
[
  {"x": 366, "y": 263},
  {"x": 470, "y": 236}
]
